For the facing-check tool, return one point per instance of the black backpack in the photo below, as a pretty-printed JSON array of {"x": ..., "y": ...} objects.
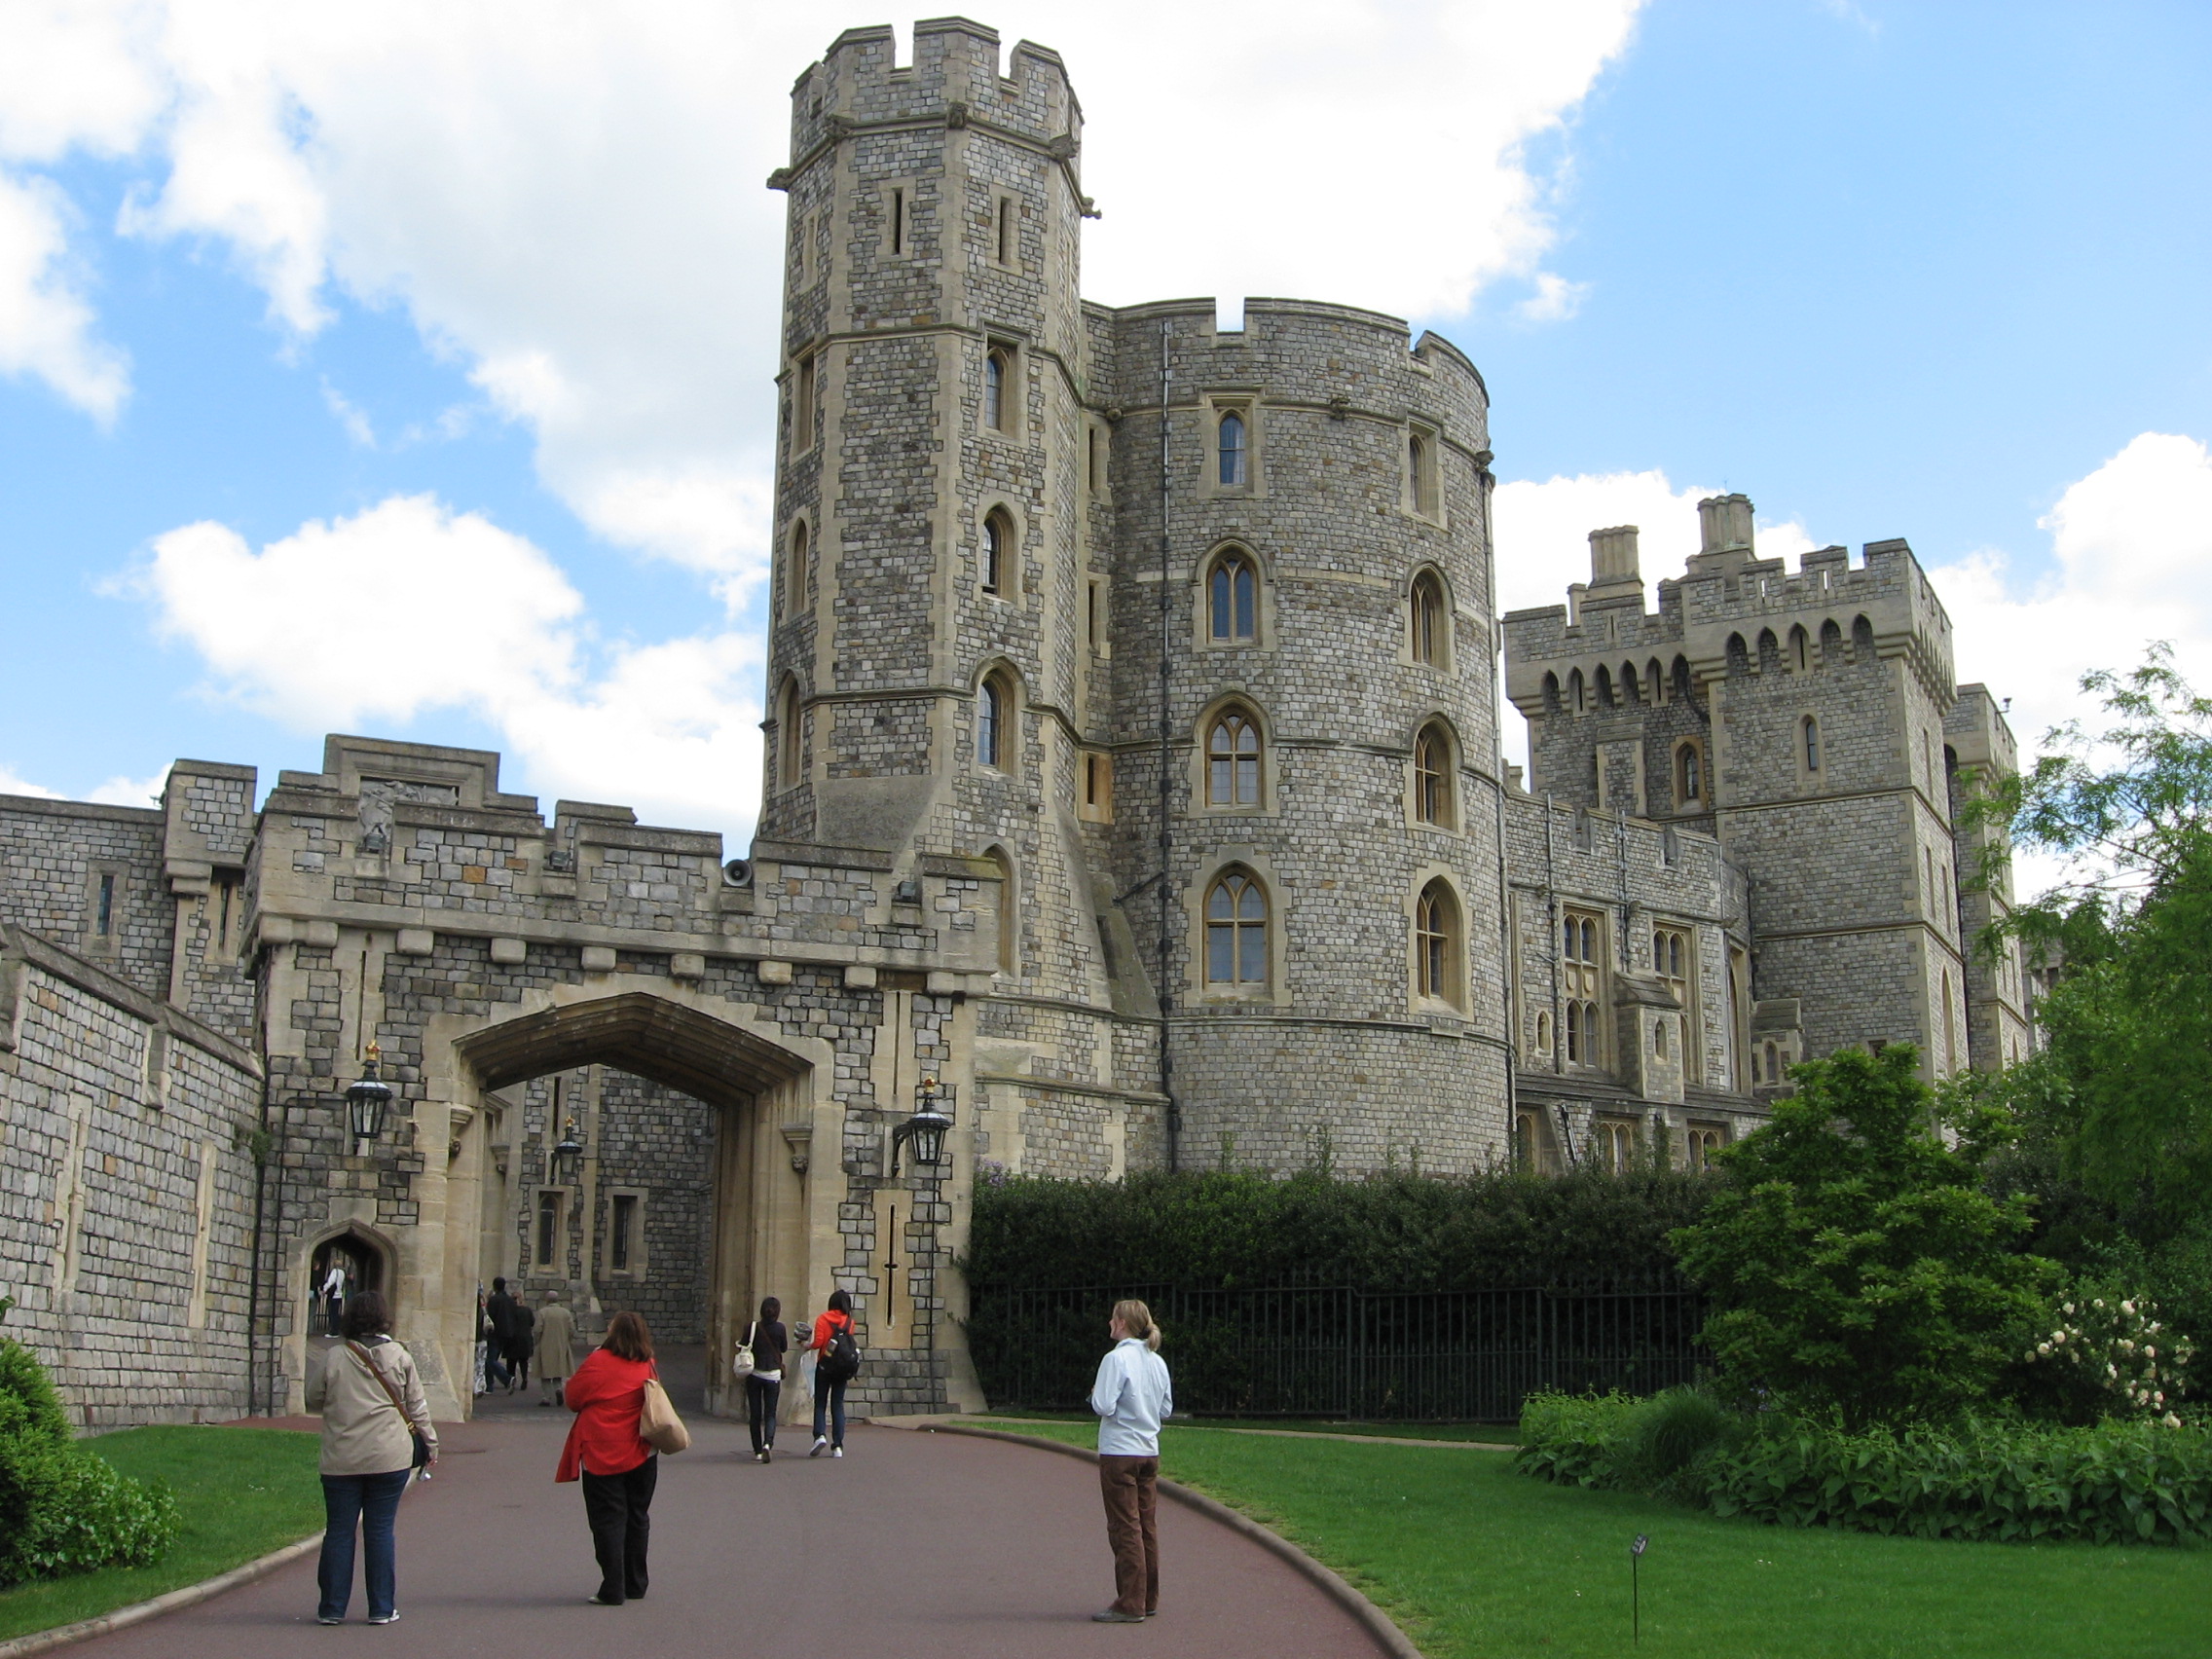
[{"x": 840, "y": 1359}]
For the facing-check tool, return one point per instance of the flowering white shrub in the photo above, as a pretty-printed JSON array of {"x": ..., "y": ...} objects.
[{"x": 2121, "y": 1347}]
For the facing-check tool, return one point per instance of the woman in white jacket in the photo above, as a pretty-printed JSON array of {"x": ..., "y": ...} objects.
[
  {"x": 372, "y": 1405},
  {"x": 1131, "y": 1397}
]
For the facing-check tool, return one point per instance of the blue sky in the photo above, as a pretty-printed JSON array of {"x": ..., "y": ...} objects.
[{"x": 498, "y": 314}]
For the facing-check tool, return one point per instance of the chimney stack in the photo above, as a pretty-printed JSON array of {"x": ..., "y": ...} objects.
[
  {"x": 1726, "y": 523},
  {"x": 1612, "y": 556}
]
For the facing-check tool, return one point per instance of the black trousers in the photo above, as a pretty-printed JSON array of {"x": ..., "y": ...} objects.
[
  {"x": 617, "y": 1507},
  {"x": 761, "y": 1395}
]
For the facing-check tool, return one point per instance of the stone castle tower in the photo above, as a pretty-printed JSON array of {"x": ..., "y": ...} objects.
[
  {"x": 1810, "y": 722},
  {"x": 1181, "y": 635}
]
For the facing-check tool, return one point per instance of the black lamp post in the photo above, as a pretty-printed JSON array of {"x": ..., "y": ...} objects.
[
  {"x": 568, "y": 1156},
  {"x": 925, "y": 1131},
  {"x": 367, "y": 1099}
]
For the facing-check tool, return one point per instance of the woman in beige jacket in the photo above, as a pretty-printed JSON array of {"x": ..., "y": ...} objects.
[{"x": 372, "y": 1405}]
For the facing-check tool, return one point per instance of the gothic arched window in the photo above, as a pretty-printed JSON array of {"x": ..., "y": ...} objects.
[
  {"x": 1436, "y": 944},
  {"x": 794, "y": 571},
  {"x": 1232, "y": 760},
  {"x": 788, "y": 739},
  {"x": 1430, "y": 632},
  {"x": 1689, "y": 775},
  {"x": 1232, "y": 600},
  {"x": 1233, "y": 450},
  {"x": 998, "y": 551},
  {"x": 997, "y": 370},
  {"x": 1812, "y": 731},
  {"x": 1432, "y": 776},
  {"x": 1236, "y": 931},
  {"x": 992, "y": 739}
]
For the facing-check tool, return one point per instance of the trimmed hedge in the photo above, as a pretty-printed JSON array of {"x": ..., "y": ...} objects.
[
  {"x": 63, "y": 1508},
  {"x": 2116, "y": 1482},
  {"x": 1228, "y": 1229}
]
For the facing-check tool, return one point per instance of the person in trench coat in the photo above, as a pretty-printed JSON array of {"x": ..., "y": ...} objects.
[{"x": 555, "y": 1349}]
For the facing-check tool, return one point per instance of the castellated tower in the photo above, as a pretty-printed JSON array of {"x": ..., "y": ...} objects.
[
  {"x": 1810, "y": 722},
  {"x": 1176, "y": 640}
]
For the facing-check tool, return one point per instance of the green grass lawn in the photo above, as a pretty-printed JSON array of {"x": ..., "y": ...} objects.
[
  {"x": 243, "y": 1493},
  {"x": 1473, "y": 1559}
]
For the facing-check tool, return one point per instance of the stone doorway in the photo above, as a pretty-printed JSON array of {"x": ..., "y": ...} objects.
[{"x": 340, "y": 1269}]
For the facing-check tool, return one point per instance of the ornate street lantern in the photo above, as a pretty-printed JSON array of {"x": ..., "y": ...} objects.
[
  {"x": 367, "y": 1101},
  {"x": 925, "y": 1131},
  {"x": 567, "y": 1157}
]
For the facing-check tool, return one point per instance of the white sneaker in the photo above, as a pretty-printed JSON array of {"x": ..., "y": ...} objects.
[
  {"x": 821, "y": 1445},
  {"x": 836, "y": 1451}
]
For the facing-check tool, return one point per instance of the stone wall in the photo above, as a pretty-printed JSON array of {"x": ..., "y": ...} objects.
[{"x": 126, "y": 1210}]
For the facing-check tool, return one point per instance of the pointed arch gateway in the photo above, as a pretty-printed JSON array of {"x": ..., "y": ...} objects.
[{"x": 760, "y": 1082}]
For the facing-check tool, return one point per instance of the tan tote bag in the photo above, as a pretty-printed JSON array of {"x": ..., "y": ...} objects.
[{"x": 658, "y": 1426}]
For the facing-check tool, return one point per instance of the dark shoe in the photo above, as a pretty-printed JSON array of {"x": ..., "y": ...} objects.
[
  {"x": 603, "y": 1601},
  {"x": 1114, "y": 1615},
  {"x": 391, "y": 1617},
  {"x": 543, "y": 1403},
  {"x": 321, "y": 1618}
]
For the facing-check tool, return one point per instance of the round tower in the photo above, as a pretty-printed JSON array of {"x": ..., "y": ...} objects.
[{"x": 1306, "y": 726}]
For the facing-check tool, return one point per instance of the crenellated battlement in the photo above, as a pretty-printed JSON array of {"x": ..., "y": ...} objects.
[
  {"x": 954, "y": 82},
  {"x": 1730, "y": 607}
]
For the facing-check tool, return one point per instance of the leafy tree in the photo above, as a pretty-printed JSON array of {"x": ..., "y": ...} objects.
[
  {"x": 1854, "y": 1263},
  {"x": 2122, "y": 1097}
]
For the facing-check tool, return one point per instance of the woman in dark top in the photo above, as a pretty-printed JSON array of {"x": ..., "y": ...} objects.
[{"x": 765, "y": 1383}]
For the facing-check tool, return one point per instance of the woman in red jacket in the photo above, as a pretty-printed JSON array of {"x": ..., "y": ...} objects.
[
  {"x": 607, "y": 1394},
  {"x": 829, "y": 1385}
]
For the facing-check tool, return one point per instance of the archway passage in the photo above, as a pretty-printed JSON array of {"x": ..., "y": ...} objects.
[
  {"x": 680, "y": 1200},
  {"x": 666, "y": 1042}
]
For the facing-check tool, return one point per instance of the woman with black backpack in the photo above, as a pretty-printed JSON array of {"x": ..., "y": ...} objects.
[{"x": 836, "y": 1358}]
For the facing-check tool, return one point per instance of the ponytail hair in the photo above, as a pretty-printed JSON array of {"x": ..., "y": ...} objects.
[{"x": 1136, "y": 1319}]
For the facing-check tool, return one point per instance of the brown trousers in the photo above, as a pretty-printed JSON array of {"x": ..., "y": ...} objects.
[{"x": 1131, "y": 1488}]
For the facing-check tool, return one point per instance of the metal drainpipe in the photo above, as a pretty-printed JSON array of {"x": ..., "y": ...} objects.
[
  {"x": 1484, "y": 481},
  {"x": 1166, "y": 836}
]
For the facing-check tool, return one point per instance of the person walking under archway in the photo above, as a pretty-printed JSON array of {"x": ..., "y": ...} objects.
[
  {"x": 373, "y": 1410},
  {"x": 556, "y": 1349},
  {"x": 765, "y": 1382},
  {"x": 1131, "y": 1397},
  {"x": 617, "y": 1467}
]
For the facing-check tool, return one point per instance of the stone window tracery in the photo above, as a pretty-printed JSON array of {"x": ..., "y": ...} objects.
[
  {"x": 1437, "y": 947},
  {"x": 1428, "y": 622},
  {"x": 1236, "y": 931},
  {"x": 1232, "y": 600},
  {"x": 1432, "y": 777},
  {"x": 1232, "y": 760}
]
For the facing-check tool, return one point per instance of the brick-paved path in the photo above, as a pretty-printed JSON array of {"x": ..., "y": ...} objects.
[{"x": 915, "y": 1545}]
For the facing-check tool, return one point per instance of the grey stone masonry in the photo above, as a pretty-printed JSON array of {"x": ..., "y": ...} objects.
[
  {"x": 1810, "y": 722},
  {"x": 127, "y": 1141}
]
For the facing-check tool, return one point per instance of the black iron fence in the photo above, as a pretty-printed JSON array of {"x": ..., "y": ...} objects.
[{"x": 1467, "y": 1355}]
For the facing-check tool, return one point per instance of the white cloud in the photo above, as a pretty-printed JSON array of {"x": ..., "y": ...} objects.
[
  {"x": 13, "y": 783},
  {"x": 119, "y": 790},
  {"x": 2131, "y": 547},
  {"x": 45, "y": 319},
  {"x": 349, "y": 416},
  {"x": 1543, "y": 529},
  {"x": 408, "y": 608},
  {"x": 568, "y": 199},
  {"x": 1556, "y": 299}
]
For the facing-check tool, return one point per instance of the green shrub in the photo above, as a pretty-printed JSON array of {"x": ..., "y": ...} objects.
[
  {"x": 1405, "y": 1232},
  {"x": 2113, "y": 1483},
  {"x": 1575, "y": 1438},
  {"x": 76, "y": 1513},
  {"x": 1854, "y": 1262},
  {"x": 62, "y": 1507}
]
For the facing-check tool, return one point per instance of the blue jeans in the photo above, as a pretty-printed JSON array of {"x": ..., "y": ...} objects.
[
  {"x": 372, "y": 1501},
  {"x": 830, "y": 1399}
]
